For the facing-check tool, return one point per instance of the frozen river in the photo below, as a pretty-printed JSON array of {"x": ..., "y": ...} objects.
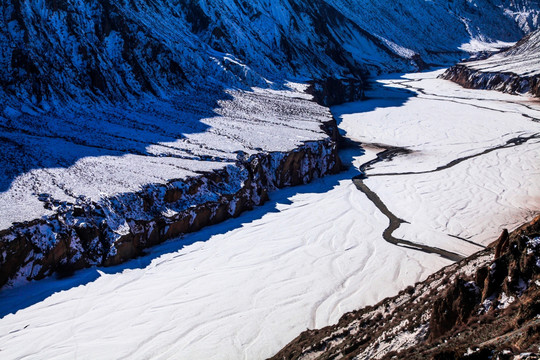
[{"x": 462, "y": 164}]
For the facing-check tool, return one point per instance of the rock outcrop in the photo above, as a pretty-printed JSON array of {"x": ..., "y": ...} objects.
[
  {"x": 332, "y": 91},
  {"x": 514, "y": 71},
  {"x": 483, "y": 307},
  {"x": 511, "y": 83}
]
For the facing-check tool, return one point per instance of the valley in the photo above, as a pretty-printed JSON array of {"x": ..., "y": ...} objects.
[{"x": 467, "y": 168}]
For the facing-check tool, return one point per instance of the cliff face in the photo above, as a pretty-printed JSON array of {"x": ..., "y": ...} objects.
[
  {"x": 515, "y": 71},
  {"x": 506, "y": 82},
  {"x": 485, "y": 306},
  {"x": 109, "y": 232},
  {"x": 75, "y": 193}
]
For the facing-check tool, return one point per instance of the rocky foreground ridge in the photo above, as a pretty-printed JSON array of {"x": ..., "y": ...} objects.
[
  {"x": 486, "y": 306},
  {"x": 514, "y": 71}
]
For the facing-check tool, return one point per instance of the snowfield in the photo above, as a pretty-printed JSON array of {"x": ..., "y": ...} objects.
[
  {"x": 117, "y": 151},
  {"x": 245, "y": 288}
]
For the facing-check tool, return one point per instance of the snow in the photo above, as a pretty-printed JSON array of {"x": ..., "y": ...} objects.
[
  {"x": 522, "y": 59},
  {"x": 438, "y": 30},
  {"x": 476, "y": 46},
  {"x": 93, "y": 52},
  {"x": 120, "y": 150},
  {"x": 246, "y": 287},
  {"x": 400, "y": 340},
  {"x": 443, "y": 123},
  {"x": 246, "y": 290},
  {"x": 505, "y": 301}
]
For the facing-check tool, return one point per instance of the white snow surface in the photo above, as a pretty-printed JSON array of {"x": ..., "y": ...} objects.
[
  {"x": 476, "y": 46},
  {"x": 245, "y": 288},
  {"x": 443, "y": 123}
]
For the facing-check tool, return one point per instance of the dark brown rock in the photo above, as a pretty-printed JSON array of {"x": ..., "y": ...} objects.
[
  {"x": 505, "y": 82},
  {"x": 502, "y": 244},
  {"x": 332, "y": 91},
  {"x": 454, "y": 308}
]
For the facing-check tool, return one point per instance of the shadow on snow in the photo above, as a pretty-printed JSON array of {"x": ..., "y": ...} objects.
[{"x": 13, "y": 300}]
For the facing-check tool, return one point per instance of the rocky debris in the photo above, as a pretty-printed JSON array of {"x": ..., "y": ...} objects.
[
  {"x": 454, "y": 309},
  {"x": 114, "y": 230},
  {"x": 483, "y": 307},
  {"x": 515, "y": 70}
]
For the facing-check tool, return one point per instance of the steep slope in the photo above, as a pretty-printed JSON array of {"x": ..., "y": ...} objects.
[
  {"x": 485, "y": 306},
  {"x": 443, "y": 31},
  {"x": 55, "y": 51},
  {"x": 75, "y": 193},
  {"x": 516, "y": 70}
]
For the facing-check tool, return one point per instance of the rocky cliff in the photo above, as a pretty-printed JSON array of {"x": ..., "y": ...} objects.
[
  {"x": 78, "y": 194},
  {"x": 110, "y": 231},
  {"x": 515, "y": 71},
  {"x": 484, "y": 307}
]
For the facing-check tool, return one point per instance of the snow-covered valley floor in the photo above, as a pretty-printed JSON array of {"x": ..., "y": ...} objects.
[{"x": 244, "y": 288}]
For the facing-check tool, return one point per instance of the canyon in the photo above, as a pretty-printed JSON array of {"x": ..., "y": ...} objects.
[
  {"x": 313, "y": 252},
  {"x": 209, "y": 179}
]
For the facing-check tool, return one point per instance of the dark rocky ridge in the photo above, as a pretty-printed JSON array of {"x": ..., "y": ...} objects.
[
  {"x": 81, "y": 235},
  {"x": 333, "y": 91},
  {"x": 486, "y": 306},
  {"x": 505, "y": 82}
]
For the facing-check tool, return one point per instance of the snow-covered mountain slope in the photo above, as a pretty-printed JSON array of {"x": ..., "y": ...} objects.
[
  {"x": 75, "y": 193},
  {"x": 53, "y": 51},
  {"x": 437, "y": 30},
  {"x": 522, "y": 59},
  {"x": 516, "y": 70}
]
